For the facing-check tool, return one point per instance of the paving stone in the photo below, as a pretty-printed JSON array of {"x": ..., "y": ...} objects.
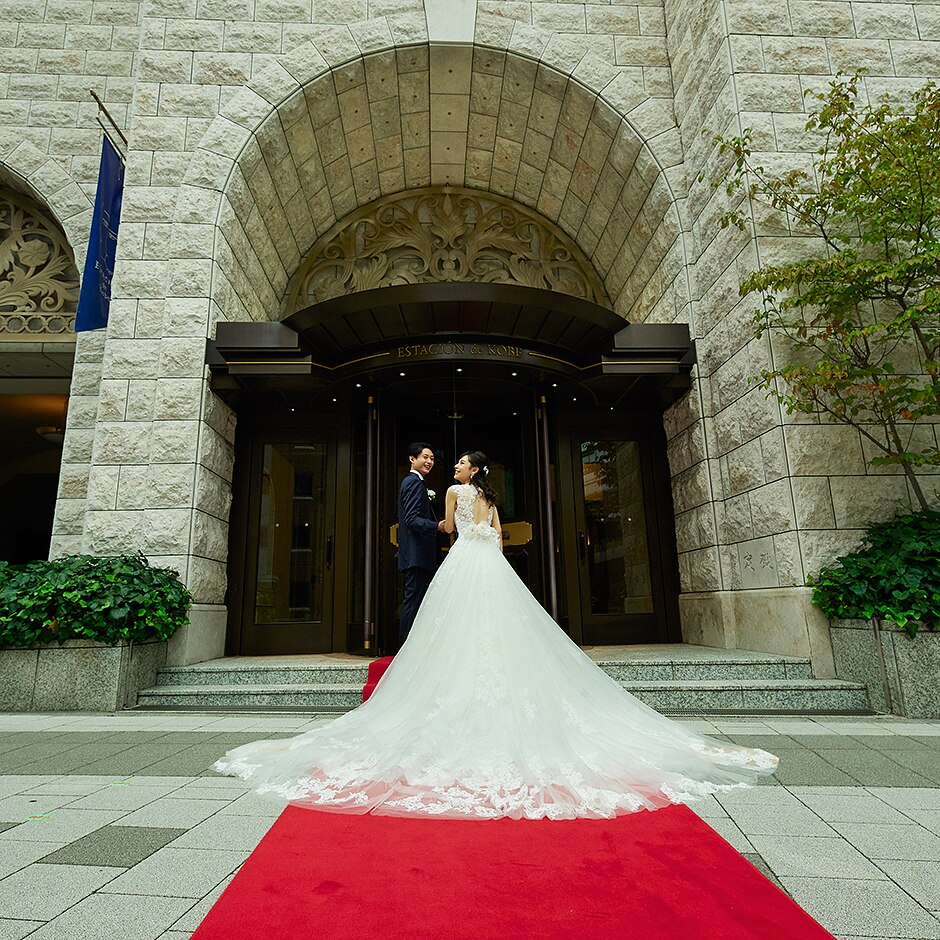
[
  {"x": 730, "y": 832},
  {"x": 758, "y": 862},
  {"x": 17, "y": 929},
  {"x": 114, "y": 917},
  {"x": 197, "y": 913},
  {"x": 17, "y": 809},
  {"x": 859, "y": 806},
  {"x": 178, "y": 872},
  {"x": 779, "y": 796},
  {"x": 257, "y": 804},
  {"x": 804, "y": 767},
  {"x": 813, "y": 856},
  {"x": 192, "y": 760},
  {"x": 12, "y": 784},
  {"x": 75, "y": 784},
  {"x": 709, "y": 808},
  {"x": 62, "y": 825},
  {"x": 894, "y": 742},
  {"x": 877, "y": 842},
  {"x": 192, "y": 792},
  {"x": 17, "y": 855},
  {"x": 921, "y": 880},
  {"x": 866, "y": 908},
  {"x": 118, "y": 846},
  {"x": 873, "y": 768},
  {"x": 126, "y": 796},
  {"x": 928, "y": 818},
  {"x": 820, "y": 742},
  {"x": 232, "y": 832},
  {"x": 925, "y": 763},
  {"x": 782, "y": 820},
  {"x": 908, "y": 797},
  {"x": 175, "y": 813},
  {"x": 767, "y": 742},
  {"x": 45, "y": 891}
]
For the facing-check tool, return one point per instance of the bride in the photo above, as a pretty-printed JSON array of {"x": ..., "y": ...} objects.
[{"x": 490, "y": 710}]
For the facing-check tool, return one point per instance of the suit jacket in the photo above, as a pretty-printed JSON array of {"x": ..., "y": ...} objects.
[{"x": 417, "y": 525}]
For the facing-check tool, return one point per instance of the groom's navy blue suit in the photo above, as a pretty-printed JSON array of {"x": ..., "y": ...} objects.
[{"x": 417, "y": 547}]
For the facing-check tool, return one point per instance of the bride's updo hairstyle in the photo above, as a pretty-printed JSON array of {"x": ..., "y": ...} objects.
[{"x": 477, "y": 460}]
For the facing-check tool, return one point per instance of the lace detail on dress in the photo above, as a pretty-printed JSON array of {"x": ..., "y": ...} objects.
[{"x": 467, "y": 494}]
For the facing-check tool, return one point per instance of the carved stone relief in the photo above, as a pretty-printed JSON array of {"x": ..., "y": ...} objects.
[
  {"x": 442, "y": 234},
  {"x": 38, "y": 278}
]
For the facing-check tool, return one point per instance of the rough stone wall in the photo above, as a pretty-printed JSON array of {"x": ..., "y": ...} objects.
[{"x": 763, "y": 498}]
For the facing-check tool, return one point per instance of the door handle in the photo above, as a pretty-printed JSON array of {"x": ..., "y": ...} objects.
[
  {"x": 329, "y": 552},
  {"x": 582, "y": 546}
]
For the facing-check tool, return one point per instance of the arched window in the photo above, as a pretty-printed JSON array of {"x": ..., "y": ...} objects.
[{"x": 38, "y": 278}]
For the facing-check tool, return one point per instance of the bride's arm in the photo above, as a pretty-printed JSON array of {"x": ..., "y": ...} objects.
[
  {"x": 498, "y": 527},
  {"x": 450, "y": 504}
]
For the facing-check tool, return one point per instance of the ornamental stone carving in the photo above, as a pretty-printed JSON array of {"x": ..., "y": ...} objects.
[
  {"x": 38, "y": 277},
  {"x": 442, "y": 234}
]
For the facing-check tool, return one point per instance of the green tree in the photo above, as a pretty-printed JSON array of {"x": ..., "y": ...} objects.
[{"x": 861, "y": 317}]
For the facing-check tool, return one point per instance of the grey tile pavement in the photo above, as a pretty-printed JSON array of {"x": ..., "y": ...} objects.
[{"x": 114, "y": 826}]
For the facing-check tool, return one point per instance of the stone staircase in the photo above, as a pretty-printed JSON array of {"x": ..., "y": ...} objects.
[{"x": 676, "y": 679}]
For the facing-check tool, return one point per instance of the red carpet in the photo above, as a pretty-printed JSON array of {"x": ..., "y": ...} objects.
[
  {"x": 646, "y": 876},
  {"x": 376, "y": 670}
]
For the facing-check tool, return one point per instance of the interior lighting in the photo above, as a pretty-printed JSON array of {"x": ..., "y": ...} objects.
[{"x": 51, "y": 433}]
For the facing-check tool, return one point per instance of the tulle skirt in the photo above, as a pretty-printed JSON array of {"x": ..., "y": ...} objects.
[{"x": 489, "y": 710}]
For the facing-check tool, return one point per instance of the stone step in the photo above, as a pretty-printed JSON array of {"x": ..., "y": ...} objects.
[
  {"x": 622, "y": 670},
  {"x": 202, "y": 674},
  {"x": 780, "y": 696},
  {"x": 323, "y": 698}
]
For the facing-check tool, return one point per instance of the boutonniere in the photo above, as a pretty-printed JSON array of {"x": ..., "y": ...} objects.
[{"x": 431, "y": 494}]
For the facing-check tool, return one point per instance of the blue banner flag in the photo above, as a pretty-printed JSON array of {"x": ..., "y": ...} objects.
[{"x": 95, "y": 297}]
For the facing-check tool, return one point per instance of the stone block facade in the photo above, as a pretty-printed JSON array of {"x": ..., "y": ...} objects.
[{"x": 256, "y": 125}]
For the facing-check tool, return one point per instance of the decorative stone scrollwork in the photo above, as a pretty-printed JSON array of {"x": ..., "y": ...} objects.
[
  {"x": 38, "y": 278},
  {"x": 442, "y": 234}
]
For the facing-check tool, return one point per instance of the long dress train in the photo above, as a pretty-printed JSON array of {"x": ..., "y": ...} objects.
[{"x": 490, "y": 710}]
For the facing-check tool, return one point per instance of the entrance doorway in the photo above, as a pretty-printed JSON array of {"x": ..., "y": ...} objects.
[
  {"x": 586, "y": 511},
  {"x": 497, "y": 418}
]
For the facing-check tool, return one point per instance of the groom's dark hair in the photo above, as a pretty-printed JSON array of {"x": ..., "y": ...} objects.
[{"x": 414, "y": 450}]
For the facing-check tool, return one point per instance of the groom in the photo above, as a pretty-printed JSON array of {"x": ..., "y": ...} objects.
[{"x": 417, "y": 535}]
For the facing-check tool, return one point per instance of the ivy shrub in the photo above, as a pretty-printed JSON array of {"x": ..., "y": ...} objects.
[
  {"x": 110, "y": 599},
  {"x": 894, "y": 575}
]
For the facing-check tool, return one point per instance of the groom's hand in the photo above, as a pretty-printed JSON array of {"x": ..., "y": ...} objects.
[{"x": 441, "y": 526}]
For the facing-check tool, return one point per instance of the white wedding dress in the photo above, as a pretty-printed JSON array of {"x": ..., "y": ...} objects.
[{"x": 490, "y": 710}]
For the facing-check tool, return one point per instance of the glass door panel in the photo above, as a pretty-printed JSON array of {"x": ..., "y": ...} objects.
[
  {"x": 615, "y": 544},
  {"x": 292, "y": 542},
  {"x": 616, "y": 587},
  {"x": 288, "y": 605}
]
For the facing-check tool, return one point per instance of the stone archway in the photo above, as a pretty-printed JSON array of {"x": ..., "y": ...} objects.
[{"x": 332, "y": 129}]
